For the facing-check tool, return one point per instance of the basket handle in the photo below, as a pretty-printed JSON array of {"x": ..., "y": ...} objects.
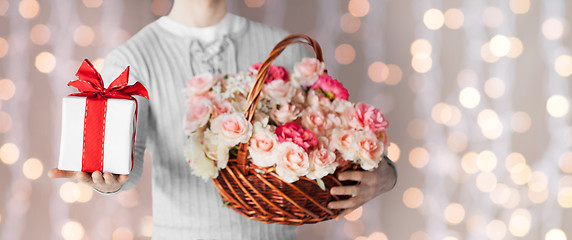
[{"x": 261, "y": 78}]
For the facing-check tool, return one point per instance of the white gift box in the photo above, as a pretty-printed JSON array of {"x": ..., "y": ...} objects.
[{"x": 118, "y": 138}]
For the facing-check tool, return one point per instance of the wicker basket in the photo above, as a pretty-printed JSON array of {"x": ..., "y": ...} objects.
[{"x": 259, "y": 193}]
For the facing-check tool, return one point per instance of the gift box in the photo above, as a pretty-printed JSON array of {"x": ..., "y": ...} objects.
[{"x": 99, "y": 124}]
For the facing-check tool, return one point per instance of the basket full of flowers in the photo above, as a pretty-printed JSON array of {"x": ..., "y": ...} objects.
[{"x": 273, "y": 142}]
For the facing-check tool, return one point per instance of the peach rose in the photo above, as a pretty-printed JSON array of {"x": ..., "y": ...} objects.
[
  {"x": 285, "y": 113},
  {"x": 201, "y": 83},
  {"x": 232, "y": 128},
  {"x": 322, "y": 163},
  {"x": 369, "y": 149},
  {"x": 307, "y": 71},
  {"x": 262, "y": 145},
  {"x": 280, "y": 91},
  {"x": 291, "y": 161},
  {"x": 366, "y": 117},
  {"x": 197, "y": 116},
  {"x": 342, "y": 140},
  {"x": 315, "y": 120}
]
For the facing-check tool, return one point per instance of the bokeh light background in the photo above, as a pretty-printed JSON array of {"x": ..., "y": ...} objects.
[{"x": 477, "y": 94}]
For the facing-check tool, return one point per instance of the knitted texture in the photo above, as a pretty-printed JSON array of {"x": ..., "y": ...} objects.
[{"x": 162, "y": 58}]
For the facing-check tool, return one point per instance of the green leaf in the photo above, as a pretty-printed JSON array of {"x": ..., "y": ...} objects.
[
  {"x": 321, "y": 184},
  {"x": 330, "y": 95}
]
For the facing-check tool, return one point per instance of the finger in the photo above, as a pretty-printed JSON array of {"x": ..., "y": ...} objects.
[
  {"x": 343, "y": 204},
  {"x": 351, "y": 175},
  {"x": 110, "y": 178},
  {"x": 122, "y": 179},
  {"x": 344, "y": 213},
  {"x": 97, "y": 178},
  {"x": 84, "y": 177},
  {"x": 345, "y": 190},
  {"x": 56, "y": 173}
]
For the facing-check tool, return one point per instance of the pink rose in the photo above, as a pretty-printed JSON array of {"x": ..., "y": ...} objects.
[
  {"x": 331, "y": 87},
  {"x": 315, "y": 120},
  {"x": 291, "y": 161},
  {"x": 201, "y": 83},
  {"x": 322, "y": 163},
  {"x": 369, "y": 149},
  {"x": 274, "y": 72},
  {"x": 232, "y": 128},
  {"x": 292, "y": 132},
  {"x": 197, "y": 115},
  {"x": 366, "y": 117},
  {"x": 285, "y": 113},
  {"x": 279, "y": 91},
  {"x": 315, "y": 99},
  {"x": 194, "y": 98},
  {"x": 221, "y": 107},
  {"x": 307, "y": 71},
  {"x": 375, "y": 121},
  {"x": 262, "y": 145},
  {"x": 341, "y": 140}
]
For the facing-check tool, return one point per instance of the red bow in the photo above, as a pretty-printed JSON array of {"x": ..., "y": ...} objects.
[{"x": 90, "y": 83}]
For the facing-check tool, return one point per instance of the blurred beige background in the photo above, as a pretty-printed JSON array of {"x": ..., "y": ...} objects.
[{"x": 477, "y": 94}]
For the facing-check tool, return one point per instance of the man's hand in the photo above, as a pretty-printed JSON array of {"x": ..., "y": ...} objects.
[
  {"x": 370, "y": 185},
  {"x": 106, "y": 182}
]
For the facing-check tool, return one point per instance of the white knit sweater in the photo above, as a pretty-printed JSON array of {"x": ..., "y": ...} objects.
[{"x": 162, "y": 56}]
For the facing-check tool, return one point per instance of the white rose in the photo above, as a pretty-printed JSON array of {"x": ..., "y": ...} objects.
[
  {"x": 307, "y": 71},
  {"x": 285, "y": 113},
  {"x": 200, "y": 165},
  {"x": 316, "y": 99},
  {"x": 339, "y": 105},
  {"x": 214, "y": 150},
  {"x": 279, "y": 91},
  {"x": 291, "y": 161}
]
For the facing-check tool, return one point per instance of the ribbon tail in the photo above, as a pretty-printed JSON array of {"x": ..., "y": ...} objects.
[
  {"x": 120, "y": 81},
  {"x": 136, "y": 89}
]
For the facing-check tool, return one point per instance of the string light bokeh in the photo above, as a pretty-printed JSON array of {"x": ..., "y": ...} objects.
[{"x": 477, "y": 94}]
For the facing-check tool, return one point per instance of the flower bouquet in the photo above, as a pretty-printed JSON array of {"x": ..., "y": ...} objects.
[{"x": 273, "y": 141}]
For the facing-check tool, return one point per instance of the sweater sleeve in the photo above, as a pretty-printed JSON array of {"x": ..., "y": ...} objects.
[{"x": 114, "y": 64}]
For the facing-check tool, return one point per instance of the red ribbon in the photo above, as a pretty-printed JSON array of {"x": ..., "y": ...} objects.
[{"x": 90, "y": 85}]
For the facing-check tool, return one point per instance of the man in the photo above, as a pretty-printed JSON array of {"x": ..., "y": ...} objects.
[{"x": 199, "y": 36}]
